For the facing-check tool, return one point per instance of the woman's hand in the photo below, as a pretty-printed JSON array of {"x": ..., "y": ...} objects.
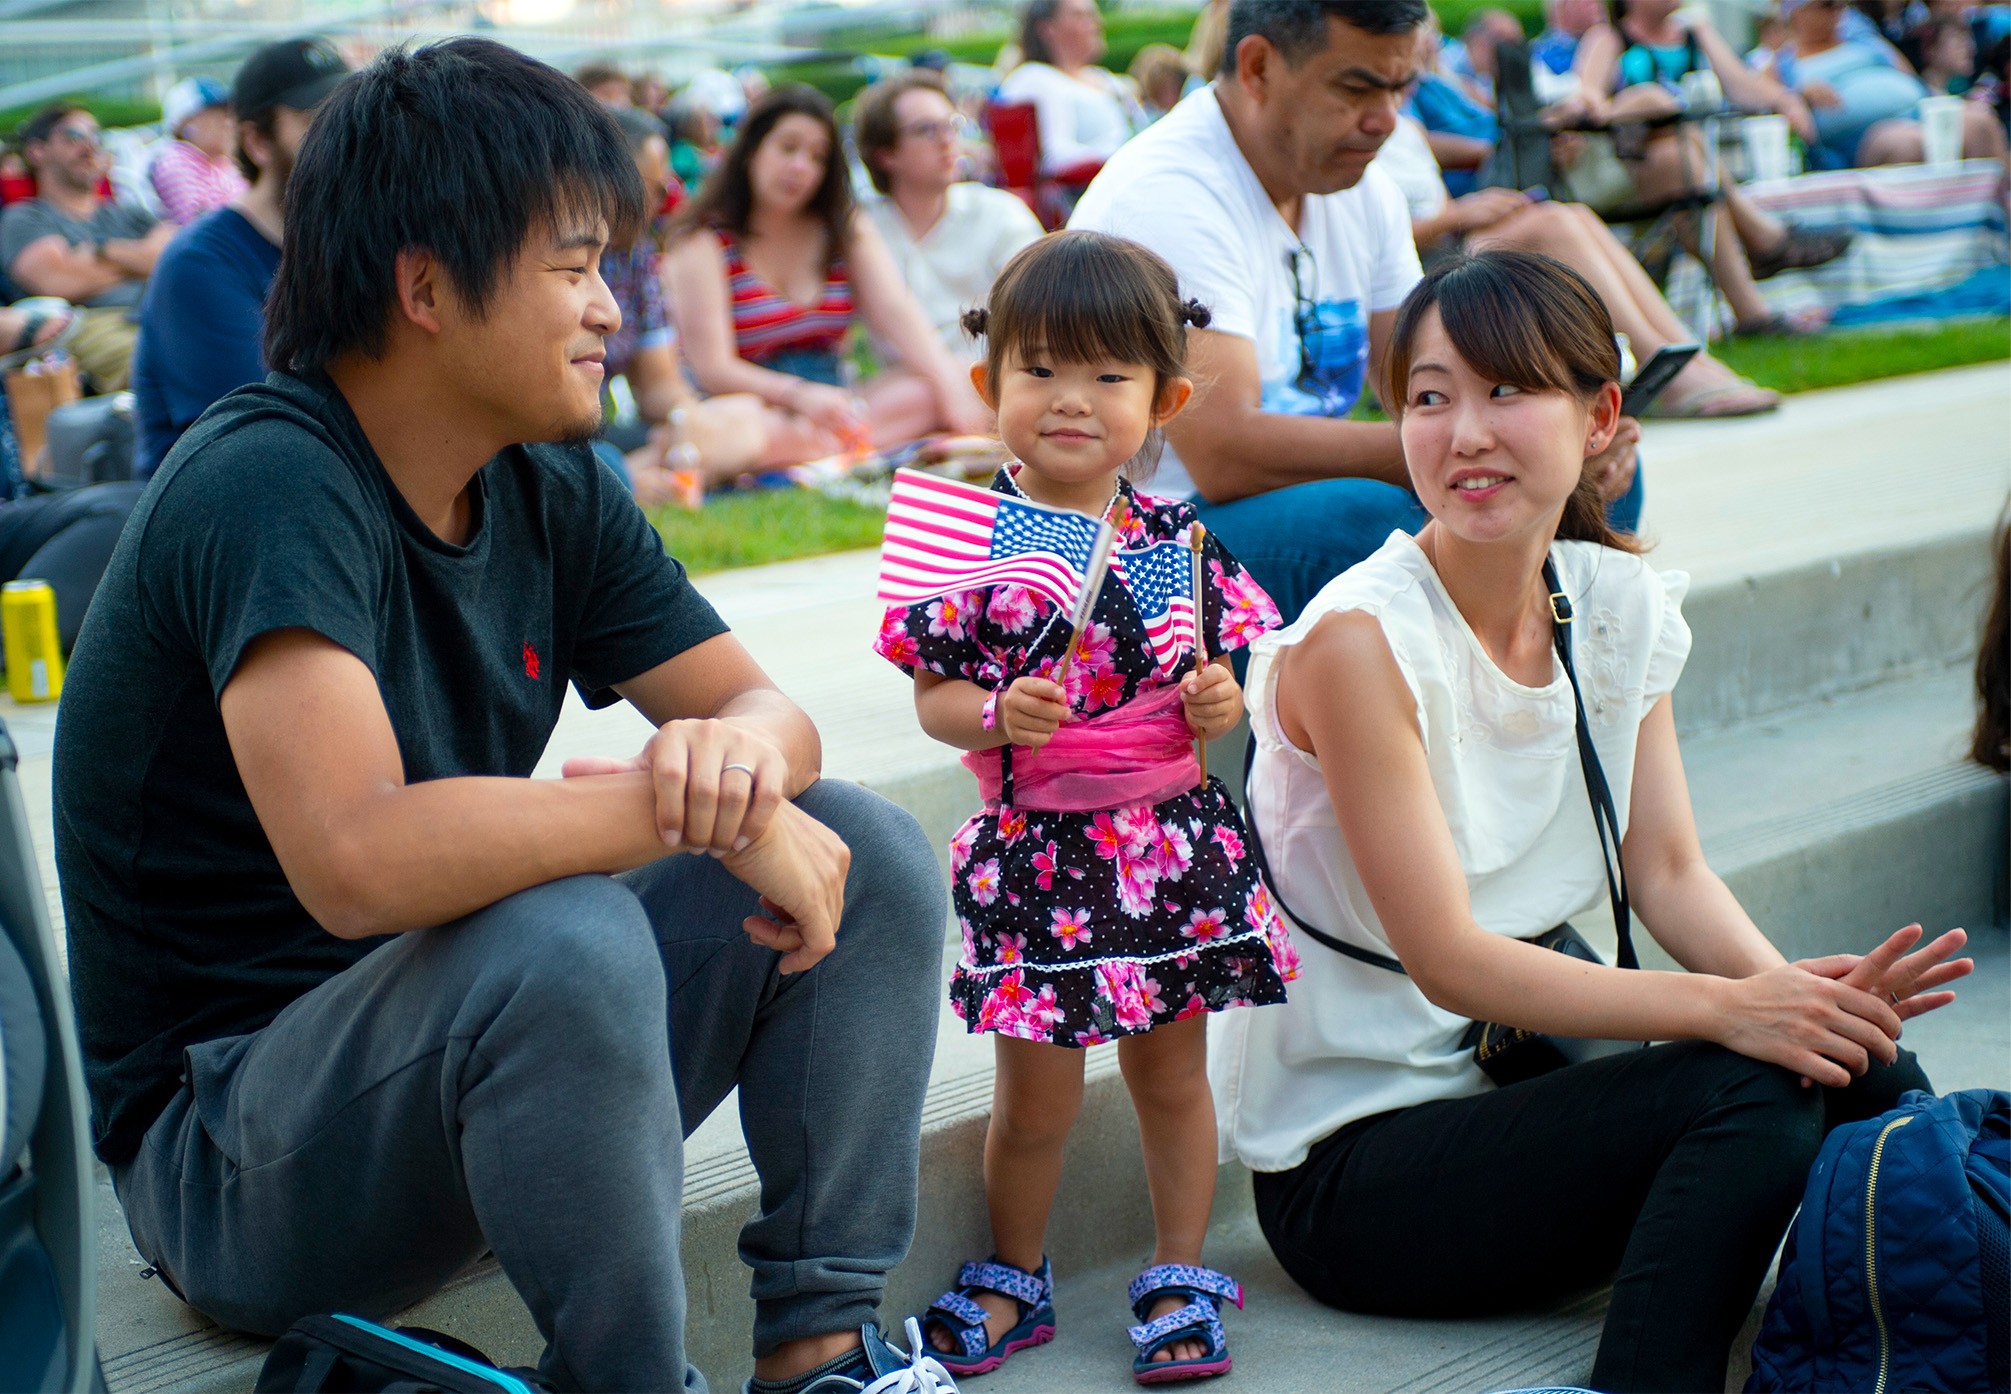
[
  {"x": 1031, "y": 711},
  {"x": 1613, "y": 468},
  {"x": 1212, "y": 701},
  {"x": 1819, "y": 94},
  {"x": 825, "y": 407},
  {"x": 1800, "y": 119},
  {"x": 1486, "y": 207},
  {"x": 1907, "y": 982},
  {"x": 1821, "y": 1028}
]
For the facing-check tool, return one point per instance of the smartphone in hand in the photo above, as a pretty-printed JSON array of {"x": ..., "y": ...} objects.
[{"x": 1657, "y": 373}]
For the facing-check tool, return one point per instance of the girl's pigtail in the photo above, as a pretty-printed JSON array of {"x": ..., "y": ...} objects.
[
  {"x": 1195, "y": 313},
  {"x": 975, "y": 321}
]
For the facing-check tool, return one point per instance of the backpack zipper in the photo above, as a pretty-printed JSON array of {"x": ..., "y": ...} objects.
[{"x": 1870, "y": 1249}]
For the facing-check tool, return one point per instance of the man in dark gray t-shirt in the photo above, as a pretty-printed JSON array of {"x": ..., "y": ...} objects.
[
  {"x": 72, "y": 243},
  {"x": 359, "y": 999}
]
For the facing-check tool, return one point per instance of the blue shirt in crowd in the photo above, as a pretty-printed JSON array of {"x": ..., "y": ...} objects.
[
  {"x": 201, "y": 327},
  {"x": 1440, "y": 106},
  {"x": 1555, "y": 50}
]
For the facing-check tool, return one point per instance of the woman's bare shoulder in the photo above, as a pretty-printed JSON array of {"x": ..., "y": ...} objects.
[{"x": 695, "y": 246}]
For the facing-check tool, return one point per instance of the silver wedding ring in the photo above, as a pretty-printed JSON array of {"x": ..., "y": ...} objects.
[{"x": 747, "y": 769}]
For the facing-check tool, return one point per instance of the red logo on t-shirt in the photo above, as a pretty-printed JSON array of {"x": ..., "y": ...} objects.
[{"x": 530, "y": 661}]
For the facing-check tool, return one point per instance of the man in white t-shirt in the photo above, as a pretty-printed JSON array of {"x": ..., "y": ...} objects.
[
  {"x": 1259, "y": 191},
  {"x": 950, "y": 239}
]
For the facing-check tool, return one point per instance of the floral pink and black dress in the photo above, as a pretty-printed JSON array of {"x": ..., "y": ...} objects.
[{"x": 1083, "y": 926}]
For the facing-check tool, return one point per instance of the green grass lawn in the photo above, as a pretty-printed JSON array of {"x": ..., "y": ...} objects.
[
  {"x": 1845, "y": 356},
  {"x": 767, "y": 525}
]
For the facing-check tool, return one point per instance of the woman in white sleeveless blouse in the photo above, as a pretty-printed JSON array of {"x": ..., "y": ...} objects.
[{"x": 1418, "y": 789}]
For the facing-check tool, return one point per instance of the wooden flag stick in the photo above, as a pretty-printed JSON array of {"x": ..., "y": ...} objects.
[
  {"x": 1194, "y": 536},
  {"x": 1092, "y": 584}
]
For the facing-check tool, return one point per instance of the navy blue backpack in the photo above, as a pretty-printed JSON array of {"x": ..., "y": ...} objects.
[{"x": 1895, "y": 1274}]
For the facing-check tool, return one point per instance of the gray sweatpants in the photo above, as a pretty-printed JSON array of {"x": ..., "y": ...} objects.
[{"x": 513, "y": 1081}]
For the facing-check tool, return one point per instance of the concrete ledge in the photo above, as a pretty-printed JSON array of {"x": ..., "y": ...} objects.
[{"x": 1776, "y": 640}]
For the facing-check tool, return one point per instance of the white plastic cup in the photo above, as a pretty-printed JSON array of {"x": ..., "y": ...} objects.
[
  {"x": 1702, "y": 90},
  {"x": 1941, "y": 129},
  {"x": 1766, "y": 147}
]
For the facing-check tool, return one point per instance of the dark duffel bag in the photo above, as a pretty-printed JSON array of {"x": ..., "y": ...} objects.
[
  {"x": 342, "y": 1352},
  {"x": 91, "y": 442}
]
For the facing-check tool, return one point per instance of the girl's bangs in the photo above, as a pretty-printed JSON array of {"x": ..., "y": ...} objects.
[{"x": 1080, "y": 318}]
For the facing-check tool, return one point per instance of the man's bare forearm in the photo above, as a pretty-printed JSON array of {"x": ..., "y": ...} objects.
[
  {"x": 1251, "y": 452},
  {"x": 419, "y": 855}
]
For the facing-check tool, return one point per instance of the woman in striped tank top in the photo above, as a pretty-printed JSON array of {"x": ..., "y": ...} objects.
[{"x": 768, "y": 269}]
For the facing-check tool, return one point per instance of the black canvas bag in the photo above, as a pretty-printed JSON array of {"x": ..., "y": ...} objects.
[
  {"x": 347, "y": 1353},
  {"x": 1511, "y": 1054}
]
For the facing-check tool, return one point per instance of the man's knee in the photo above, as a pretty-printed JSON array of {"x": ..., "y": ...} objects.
[
  {"x": 584, "y": 938},
  {"x": 894, "y": 879}
]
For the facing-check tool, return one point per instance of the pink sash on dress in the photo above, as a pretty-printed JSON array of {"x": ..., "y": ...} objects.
[{"x": 1141, "y": 752}]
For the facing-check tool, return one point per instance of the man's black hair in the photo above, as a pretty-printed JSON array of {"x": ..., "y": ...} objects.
[
  {"x": 42, "y": 123},
  {"x": 461, "y": 148},
  {"x": 1298, "y": 28}
]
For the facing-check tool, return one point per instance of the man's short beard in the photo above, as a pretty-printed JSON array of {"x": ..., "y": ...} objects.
[{"x": 576, "y": 430}]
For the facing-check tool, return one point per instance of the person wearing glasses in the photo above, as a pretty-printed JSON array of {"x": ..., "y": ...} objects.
[
  {"x": 71, "y": 242},
  {"x": 950, "y": 238},
  {"x": 1259, "y": 190}
]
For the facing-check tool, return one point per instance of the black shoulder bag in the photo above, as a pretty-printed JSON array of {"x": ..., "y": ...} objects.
[{"x": 1510, "y": 1054}]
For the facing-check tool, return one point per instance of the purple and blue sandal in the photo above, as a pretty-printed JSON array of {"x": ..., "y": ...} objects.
[
  {"x": 965, "y": 1320},
  {"x": 1200, "y": 1320}
]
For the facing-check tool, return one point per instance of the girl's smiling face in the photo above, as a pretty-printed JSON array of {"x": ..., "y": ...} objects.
[
  {"x": 1491, "y": 460},
  {"x": 1075, "y": 425}
]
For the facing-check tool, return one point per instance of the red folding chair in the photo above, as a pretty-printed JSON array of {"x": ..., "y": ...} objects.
[{"x": 1015, "y": 133}]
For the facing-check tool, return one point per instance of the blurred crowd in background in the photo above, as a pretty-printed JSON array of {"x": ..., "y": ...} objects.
[{"x": 794, "y": 305}]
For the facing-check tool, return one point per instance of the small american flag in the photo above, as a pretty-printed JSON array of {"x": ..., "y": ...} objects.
[
  {"x": 943, "y": 537},
  {"x": 1161, "y": 581}
]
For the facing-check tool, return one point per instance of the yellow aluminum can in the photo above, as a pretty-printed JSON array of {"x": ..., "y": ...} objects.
[{"x": 34, "y": 653}]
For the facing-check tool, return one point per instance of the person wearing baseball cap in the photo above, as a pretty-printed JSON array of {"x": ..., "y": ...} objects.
[
  {"x": 297, "y": 73},
  {"x": 193, "y": 172},
  {"x": 204, "y": 313}
]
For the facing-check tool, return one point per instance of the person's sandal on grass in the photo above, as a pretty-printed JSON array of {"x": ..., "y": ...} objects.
[
  {"x": 958, "y": 1314},
  {"x": 1798, "y": 324},
  {"x": 1803, "y": 247},
  {"x": 1716, "y": 402},
  {"x": 1200, "y": 1319}
]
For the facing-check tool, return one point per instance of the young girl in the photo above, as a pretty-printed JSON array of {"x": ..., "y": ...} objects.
[{"x": 1119, "y": 904}]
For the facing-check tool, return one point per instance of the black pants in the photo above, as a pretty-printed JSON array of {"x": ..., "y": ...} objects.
[{"x": 1671, "y": 1171}]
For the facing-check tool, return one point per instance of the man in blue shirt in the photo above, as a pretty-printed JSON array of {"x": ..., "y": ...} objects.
[{"x": 203, "y": 318}]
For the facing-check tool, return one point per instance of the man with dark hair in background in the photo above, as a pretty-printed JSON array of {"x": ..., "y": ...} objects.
[
  {"x": 204, "y": 313},
  {"x": 1259, "y": 191},
  {"x": 74, "y": 244},
  {"x": 360, "y": 1000}
]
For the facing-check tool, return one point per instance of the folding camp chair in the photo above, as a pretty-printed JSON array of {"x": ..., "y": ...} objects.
[
  {"x": 1522, "y": 160},
  {"x": 48, "y": 1238}
]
